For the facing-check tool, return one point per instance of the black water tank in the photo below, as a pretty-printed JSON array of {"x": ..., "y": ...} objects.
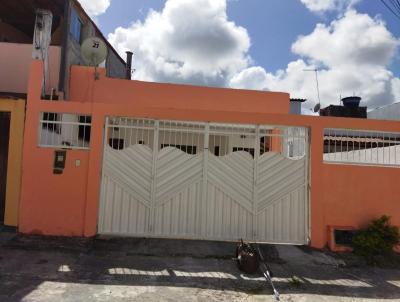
[{"x": 351, "y": 102}]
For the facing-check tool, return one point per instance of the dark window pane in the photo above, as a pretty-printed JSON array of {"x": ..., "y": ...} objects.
[
  {"x": 76, "y": 26},
  {"x": 116, "y": 143},
  {"x": 84, "y": 131},
  {"x": 250, "y": 150},
  {"x": 51, "y": 117},
  {"x": 184, "y": 148},
  {"x": 344, "y": 237}
]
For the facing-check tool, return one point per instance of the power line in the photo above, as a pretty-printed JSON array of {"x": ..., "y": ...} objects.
[
  {"x": 395, "y": 9},
  {"x": 396, "y": 3},
  {"x": 395, "y": 6}
]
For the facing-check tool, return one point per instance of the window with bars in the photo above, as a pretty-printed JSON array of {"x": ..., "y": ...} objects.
[
  {"x": 361, "y": 147},
  {"x": 48, "y": 119},
  {"x": 61, "y": 130}
]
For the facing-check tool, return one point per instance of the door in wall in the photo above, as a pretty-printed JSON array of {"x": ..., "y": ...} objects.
[{"x": 5, "y": 118}]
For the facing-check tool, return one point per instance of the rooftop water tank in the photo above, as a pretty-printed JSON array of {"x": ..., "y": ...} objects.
[{"x": 351, "y": 102}]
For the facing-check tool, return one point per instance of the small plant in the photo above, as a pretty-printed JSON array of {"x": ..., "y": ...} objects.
[
  {"x": 378, "y": 239},
  {"x": 295, "y": 281}
]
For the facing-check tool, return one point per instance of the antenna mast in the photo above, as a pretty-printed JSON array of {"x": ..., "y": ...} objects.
[{"x": 317, "y": 107}]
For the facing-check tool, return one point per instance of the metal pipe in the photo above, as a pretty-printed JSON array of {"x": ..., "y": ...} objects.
[
  {"x": 128, "y": 74},
  {"x": 64, "y": 45}
]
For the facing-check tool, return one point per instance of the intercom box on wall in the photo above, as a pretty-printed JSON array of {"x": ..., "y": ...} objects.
[{"x": 60, "y": 156}]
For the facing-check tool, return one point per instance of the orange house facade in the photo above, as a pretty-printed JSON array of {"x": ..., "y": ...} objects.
[{"x": 131, "y": 158}]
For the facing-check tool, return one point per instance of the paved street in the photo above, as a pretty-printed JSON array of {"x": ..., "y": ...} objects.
[{"x": 35, "y": 269}]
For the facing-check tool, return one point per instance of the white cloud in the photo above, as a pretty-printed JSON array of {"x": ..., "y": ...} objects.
[
  {"x": 95, "y": 8},
  {"x": 250, "y": 78},
  {"x": 187, "y": 42},
  {"x": 352, "y": 54},
  {"x": 396, "y": 88},
  {"x": 194, "y": 42},
  {"x": 352, "y": 40},
  {"x": 320, "y": 6}
]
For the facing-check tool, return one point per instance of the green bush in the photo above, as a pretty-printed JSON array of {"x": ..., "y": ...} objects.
[{"x": 378, "y": 239}]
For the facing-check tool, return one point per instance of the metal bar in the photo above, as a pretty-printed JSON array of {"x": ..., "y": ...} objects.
[
  {"x": 65, "y": 123},
  {"x": 267, "y": 273},
  {"x": 40, "y": 130},
  {"x": 64, "y": 147},
  {"x": 255, "y": 180},
  {"x": 101, "y": 213},
  {"x": 307, "y": 186},
  {"x": 154, "y": 178},
  {"x": 204, "y": 176},
  {"x": 363, "y": 164}
]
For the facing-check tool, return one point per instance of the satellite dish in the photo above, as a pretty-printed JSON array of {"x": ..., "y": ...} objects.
[
  {"x": 317, "y": 107},
  {"x": 94, "y": 51}
]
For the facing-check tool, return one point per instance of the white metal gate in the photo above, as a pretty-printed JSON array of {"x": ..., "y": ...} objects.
[{"x": 212, "y": 181}]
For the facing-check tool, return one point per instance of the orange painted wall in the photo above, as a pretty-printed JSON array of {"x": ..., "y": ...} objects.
[
  {"x": 340, "y": 194},
  {"x": 366, "y": 192},
  {"x": 55, "y": 204},
  {"x": 146, "y": 94},
  {"x": 50, "y": 204}
]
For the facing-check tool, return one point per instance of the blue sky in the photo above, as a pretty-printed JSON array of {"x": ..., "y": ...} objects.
[
  {"x": 273, "y": 25},
  {"x": 260, "y": 44}
]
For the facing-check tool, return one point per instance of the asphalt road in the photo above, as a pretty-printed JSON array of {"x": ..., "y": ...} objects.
[{"x": 56, "y": 269}]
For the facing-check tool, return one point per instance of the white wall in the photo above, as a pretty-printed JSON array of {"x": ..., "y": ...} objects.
[{"x": 389, "y": 112}]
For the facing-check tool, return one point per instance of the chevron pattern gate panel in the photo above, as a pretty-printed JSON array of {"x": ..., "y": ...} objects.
[
  {"x": 281, "y": 209},
  {"x": 125, "y": 197},
  {"x": 230, "y": 197},
  {"x": 172, "y": 181},
  {"x": 178, "y": 187}
]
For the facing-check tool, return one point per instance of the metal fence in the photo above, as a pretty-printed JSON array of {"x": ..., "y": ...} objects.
[
  {"x": 222, "y": 139},
  {"x": 61, "y": 130},
  {"x": 362, "y": 147}
]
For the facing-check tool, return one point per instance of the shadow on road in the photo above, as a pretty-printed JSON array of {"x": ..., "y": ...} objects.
[{"x": 28, "y": 262}]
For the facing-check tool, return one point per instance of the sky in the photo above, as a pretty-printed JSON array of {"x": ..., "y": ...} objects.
[{"x": 261, "y": 44}]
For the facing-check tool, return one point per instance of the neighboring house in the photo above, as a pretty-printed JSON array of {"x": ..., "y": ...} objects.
[
  {"x": 70, "y": 27},
  {"x": 52, "y": 30},
  {"x": 350, "y": 108},
  {"x": 388, "y": 112}
]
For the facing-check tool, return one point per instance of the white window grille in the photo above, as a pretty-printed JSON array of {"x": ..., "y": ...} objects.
[
  {"x": 362, "y": 147},
  {"x": 62, "y": 130},
  {"x": 222, "y": 138}
]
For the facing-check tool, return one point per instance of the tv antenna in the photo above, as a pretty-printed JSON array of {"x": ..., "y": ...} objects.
[
  {"x": 317, "y": 107},
  {"x": 94, "y": 51}
]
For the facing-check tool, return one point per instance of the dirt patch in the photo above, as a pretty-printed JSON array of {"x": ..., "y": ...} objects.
[
  {"x": 391, "y": 261},
  {"x": 50, "y": 243}
]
